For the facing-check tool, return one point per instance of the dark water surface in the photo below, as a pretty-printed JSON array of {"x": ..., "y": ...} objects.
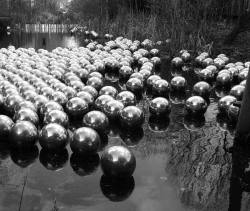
[{"x": 181, "y": 164}]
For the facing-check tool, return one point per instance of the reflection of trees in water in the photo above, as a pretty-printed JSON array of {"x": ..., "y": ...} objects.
[{"x": 201, "y": 168}]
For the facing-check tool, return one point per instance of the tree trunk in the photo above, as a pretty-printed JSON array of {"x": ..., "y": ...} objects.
[{"x": 243, "y": 22}]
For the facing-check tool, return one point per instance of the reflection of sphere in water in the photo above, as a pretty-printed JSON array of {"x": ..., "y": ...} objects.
[
  {"x": 192, "y": 123},
  {"x": 177, "y": 97},
  {"x": 233, "y": 113},
  {"x": 224, "y": 123},
  {"x": 4, "y": 148},
  {"x": 117, "y": 190},
  {"x": 221, "y": 91},
  {"x": 85, "y": 140},
  {"x": 118, "y": 161},
  {"x": 84, "y": 164},
  {"x": 24, "y": 157},
  {"x": 53, "y": 160},
  {"x": 114, "y": 128},
  {"x": 157, "y": 124},
  {"x": 132, "y": 137}
]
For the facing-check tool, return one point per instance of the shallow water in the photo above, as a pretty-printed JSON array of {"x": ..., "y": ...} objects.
[{"x": 181, "y": 163}]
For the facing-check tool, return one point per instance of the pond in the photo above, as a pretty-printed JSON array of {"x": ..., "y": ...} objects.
[{"x": 181, "y": 163}]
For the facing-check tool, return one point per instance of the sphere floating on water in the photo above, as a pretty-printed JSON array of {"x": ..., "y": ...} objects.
[
  {"x": 6, "y": 124},
  {"x": 132, "y": 116},
  {"x": 243, "y": 75},
  {"x": 85, "y": 140},
  {"x": 177, "y": 62},
  {"x": 113, "y": 108},
  {"x": 102, "y": 100},
  {"x": 238, "y": 91},
  {"x": 118, "y": 161},
  {"x": 58, "y": 117},
  {"x": 96, "y": 120},
  {"x": 23, "y": 134},
  {"x": 26, "y": 114},
  {"x": 223, "y": 79},
  {"x": 206, "y": 75},
  {"x": 95, "y": 82},
  {"x": 91, "y": 90},
  {"x": 178, "y": 83},
  {"x": 202, "y": 89},
  {"x": 159, "y": 106},
  {"x": 11, "y": 102},
  {"x": 225, "y": 102},
  {"x": 26, "y": 104},
  {"x": 50, "y": 106},
  {"x": 127, "y": 98},
  {"x": 77, "y": 108},
  {"x": 53, "y": 137},
  {"x": 196, "y": 105},
  {"x": 125, "y": 72},
  {"x": 151, "y": 80},
  {"x": 60, "y": 98},
  {"x": 135, "y": 85},
  {"x": 108, "y": 90},
  {"x": 161, "y": 88}
]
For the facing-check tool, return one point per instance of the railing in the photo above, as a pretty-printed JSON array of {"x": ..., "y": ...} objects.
[{"x": 48, "y": 28}]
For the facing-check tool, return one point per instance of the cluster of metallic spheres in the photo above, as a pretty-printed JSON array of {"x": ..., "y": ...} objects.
[
  {"x": 228, "y": 79},
  {"x": 42, "y": 93}
]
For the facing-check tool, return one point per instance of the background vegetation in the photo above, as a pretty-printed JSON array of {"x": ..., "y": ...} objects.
[{"x": 190, "y": 24}]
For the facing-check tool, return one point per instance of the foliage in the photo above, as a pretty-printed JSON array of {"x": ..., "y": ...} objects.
[{"x": 42, "y": 12}]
